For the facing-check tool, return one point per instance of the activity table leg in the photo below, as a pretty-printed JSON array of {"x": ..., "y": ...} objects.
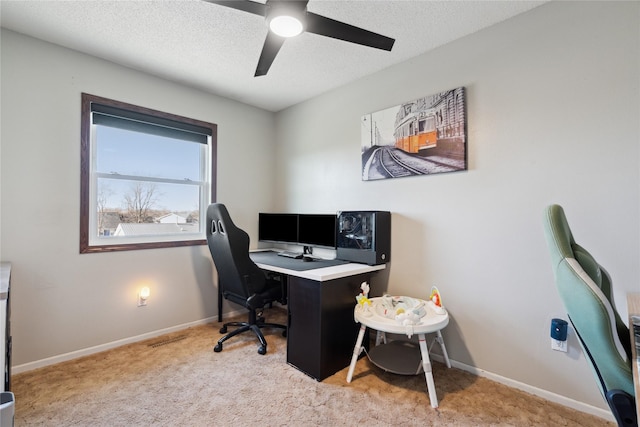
[
  {"x": 444, "y": 349},
  {"x": 356, "y": 352},
  {"x": 426, "y": 365}
]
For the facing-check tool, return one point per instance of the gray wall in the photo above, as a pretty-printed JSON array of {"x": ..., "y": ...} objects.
[
  {"x": 553, "y": 107},
  {"x": 65, "y": 302},
  {"x": 553, "y": 117}
]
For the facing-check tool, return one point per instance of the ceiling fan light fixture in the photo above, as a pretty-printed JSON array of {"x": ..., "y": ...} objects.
[{"x": 286, "y": 25}]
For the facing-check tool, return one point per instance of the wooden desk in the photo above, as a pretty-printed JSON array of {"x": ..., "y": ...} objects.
[
  {"x": 321, "y": 330},
  {"x": 633, "y": 303}
]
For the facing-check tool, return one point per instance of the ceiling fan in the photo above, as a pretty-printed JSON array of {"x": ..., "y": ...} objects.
[{"x": 288, "y": 18}]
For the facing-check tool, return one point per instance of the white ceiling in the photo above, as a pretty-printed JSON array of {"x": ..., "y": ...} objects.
[{"x": 216, "y": 49}]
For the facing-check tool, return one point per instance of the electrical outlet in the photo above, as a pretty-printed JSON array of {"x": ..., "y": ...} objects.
[{"x": 558, "y": 345}]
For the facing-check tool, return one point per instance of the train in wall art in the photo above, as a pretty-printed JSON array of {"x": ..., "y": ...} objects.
[{"x": 420, "y": 137}]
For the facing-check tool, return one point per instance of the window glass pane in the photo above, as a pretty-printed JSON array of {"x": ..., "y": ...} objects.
[
  {"x": 125, "y": 152},
  {"x": 122, "y": 194},
  {"x": 120, "y": 202}
]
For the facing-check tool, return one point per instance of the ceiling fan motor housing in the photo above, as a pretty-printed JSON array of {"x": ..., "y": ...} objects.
[{"x": 286, "y": 19}]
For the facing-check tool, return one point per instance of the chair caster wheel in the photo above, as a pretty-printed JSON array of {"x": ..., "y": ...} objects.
[
  {"x": 217, "y": 348},
  {"x": 262, "y": 350},
  {"x": 223, "y": 330}
]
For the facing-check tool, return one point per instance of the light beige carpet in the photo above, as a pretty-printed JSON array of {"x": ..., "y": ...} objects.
[{"x": 182, "y": 382}]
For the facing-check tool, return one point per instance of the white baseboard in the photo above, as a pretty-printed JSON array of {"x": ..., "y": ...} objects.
[
  {"x": 553, "y": 397},
  {"x": 108, "y": 346}
]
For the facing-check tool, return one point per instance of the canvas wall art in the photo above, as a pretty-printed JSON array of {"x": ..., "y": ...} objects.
[{"x": 420, "y": 137}]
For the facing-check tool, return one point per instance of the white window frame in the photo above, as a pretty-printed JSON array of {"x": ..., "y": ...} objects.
[{"x": 90, "y": 241}]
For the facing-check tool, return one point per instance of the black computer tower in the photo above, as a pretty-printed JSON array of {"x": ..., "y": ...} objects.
[{"x": 364, "y": 236}]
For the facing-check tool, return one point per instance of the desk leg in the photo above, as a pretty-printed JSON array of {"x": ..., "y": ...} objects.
[
  {"x": 426, "y": 365},
  {"x": 356, "y": 352}
]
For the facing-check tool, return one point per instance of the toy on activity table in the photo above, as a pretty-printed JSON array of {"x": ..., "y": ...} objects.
[
  {"x": 363, "y": 297},
  {"x": 405, "y": 310},
  {"x": 436, "y": 301}
]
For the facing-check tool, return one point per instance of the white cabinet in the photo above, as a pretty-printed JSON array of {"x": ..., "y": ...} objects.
[{"x": 5, "y": 325}]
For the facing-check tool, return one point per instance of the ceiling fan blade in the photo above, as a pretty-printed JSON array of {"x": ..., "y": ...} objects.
[
  {"x": 271, "y": 47},
  {"x": 244, "y": 5},
  {"x": 328, "y": 27}
]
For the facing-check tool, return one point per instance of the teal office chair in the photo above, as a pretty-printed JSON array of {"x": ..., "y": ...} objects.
[{"x": 585, "y": 289}]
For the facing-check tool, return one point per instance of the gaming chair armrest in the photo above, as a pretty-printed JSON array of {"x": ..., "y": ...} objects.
[
  {"x": 623, "y": 407},
  {"x": 255, "y": 302}
]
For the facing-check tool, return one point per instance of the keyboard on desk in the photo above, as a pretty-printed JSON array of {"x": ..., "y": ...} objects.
[{"x": 289, "y": 254}]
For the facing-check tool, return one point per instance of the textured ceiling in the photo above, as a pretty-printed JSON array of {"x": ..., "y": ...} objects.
[{"x": 216, "y": 49}]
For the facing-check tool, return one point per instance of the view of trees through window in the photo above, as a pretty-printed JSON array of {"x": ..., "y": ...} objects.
[{"x": 140, "y": 204}]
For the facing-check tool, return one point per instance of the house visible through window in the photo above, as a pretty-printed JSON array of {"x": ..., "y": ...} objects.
[{"x": 147, "y": 177}]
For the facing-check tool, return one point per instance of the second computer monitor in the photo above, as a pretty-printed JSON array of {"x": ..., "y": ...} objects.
[{"x": 317, "y": 230}]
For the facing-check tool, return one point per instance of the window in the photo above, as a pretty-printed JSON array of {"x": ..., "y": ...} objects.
[{"x": 147, "y": 177}]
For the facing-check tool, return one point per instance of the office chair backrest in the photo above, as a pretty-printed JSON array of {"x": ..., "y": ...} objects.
[
  {"x": 238, "y": 275},
  {"x": 585, "y": 289}
]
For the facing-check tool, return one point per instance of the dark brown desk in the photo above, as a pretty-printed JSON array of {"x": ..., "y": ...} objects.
[{"x": 321, "y": 328}]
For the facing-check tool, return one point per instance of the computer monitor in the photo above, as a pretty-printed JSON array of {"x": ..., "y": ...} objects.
[
  {"x": 317, "y": 230},
  {"x": 278, "y": 227}
]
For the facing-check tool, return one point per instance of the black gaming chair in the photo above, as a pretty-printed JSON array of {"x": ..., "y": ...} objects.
[{"x": 239, "y": 278}]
